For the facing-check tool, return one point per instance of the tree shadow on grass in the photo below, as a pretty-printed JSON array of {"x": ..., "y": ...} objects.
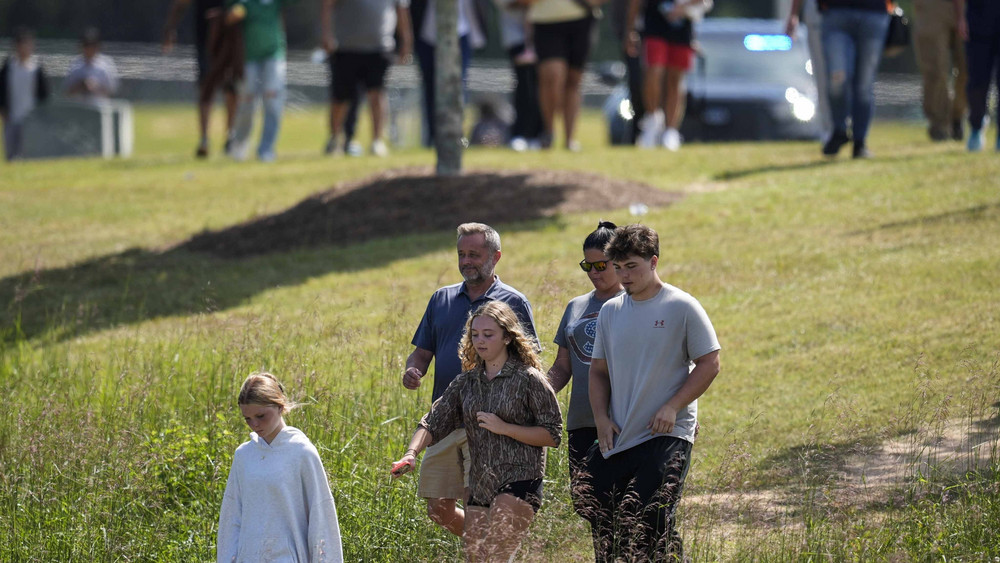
[{"x": 396, "y": 214}]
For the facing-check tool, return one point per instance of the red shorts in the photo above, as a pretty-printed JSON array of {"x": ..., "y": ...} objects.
[{"x": 662, "y": 53}]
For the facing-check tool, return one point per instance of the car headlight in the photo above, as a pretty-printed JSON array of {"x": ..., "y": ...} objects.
[{"x": 802, "y": 107}]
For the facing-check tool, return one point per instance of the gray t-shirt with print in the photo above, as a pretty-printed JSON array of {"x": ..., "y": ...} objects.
[
  {"x": 650, "y": 347},
  {"x": 576, "y": 333}
]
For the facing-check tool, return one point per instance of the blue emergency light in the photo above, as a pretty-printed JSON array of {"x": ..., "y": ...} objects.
[{"x": 757, "y": 42}]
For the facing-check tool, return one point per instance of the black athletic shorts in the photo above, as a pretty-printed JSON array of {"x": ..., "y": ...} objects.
[
  {"x": 528, "y": 491},
  {"x": 349, "y": 70},
  {"x": 569, "y": 41}
]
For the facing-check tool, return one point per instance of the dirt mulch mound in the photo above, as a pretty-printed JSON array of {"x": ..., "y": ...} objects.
[{"x": 414, "y": 200}]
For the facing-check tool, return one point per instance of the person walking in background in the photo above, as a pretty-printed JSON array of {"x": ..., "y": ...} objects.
[
  {"x": 22, "y": 87},
  {"x": 941, "y": 57},
  {"x": 209, "y": 36},
  {"x": 979, "y": 27},
  {"x": 655, "y": 353},
  {"x": 471, "y": 35},
  {"x": 667, "y": 35},
  {"x": 575, "y": 338},
  {"x": 509, "y": 413},
  {"x": 359, "y": 36},
  {"x": 562, "y": 41},
  {"x": 92, "y": 76},
  {"x": 515, "y": 34},
  {"x": 277, "y": 505},
  {"x": 444, "y": 472},
  {"x": 853, "y": 41},
  {"x": 263, "y": 73},
  {"x": 633, "y": 63}
]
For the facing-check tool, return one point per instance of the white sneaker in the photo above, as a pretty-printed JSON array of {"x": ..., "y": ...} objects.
[
  {"x": 519, "y": 144},
  {"x": 651, "y": 128},
  {"x": 333, "y": 146},
  {"x": 379, "y": 148},
  {"x": 354, "y": 149},
  {"x": 671, "y": 139}
]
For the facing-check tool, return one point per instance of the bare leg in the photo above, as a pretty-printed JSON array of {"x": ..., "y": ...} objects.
[
  {"x": 674, "y": 106},
  {"x": 477, "y": 526},
  {"x": 551, "y": 85},
  {"x": 445, "y": 513},
  {"x": 508, "y": 526},
  {"x": 231, "y": 100},
  {"x": 652, "y": 94},
  {"x": 571, "y": 101},
  {"x": 376, "y": 101}
]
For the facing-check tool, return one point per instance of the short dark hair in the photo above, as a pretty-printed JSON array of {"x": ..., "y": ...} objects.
[
  {"x": 633, "y": 240},
  {"x": 91, "y": 36},
  {"x": 600, "y": 237},
  {"x": 22, "y": 34}
]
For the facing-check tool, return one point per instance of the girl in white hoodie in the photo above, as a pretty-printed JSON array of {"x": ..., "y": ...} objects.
[{"x": 277, "y": 505}]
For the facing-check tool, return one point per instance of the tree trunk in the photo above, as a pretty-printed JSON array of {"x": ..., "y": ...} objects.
[{"x": 448, "y": 105}]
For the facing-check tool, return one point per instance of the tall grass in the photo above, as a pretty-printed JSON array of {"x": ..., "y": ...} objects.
[{"x": 856, "y": 303}]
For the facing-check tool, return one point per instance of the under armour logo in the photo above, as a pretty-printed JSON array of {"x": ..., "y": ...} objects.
[{"x": 658, "y": 324}]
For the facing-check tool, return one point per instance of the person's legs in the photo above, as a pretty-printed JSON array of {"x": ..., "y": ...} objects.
[
  {"x": 931, "y": 41},
  {"x": 960, "y": 103},
  {"x": 658, "y": 483},
  {"x": 508, "y": 525},
  {"x": 579, "y": 442},
  {"x": 274, "y": 104},
  {"x": 243, "y": 123},
  {"x": 477, "y": 526},
  {"x": 12, "y": 138},
  {"x": 425, "y": 59},
  {"x": 572, "y": 99},
  {"x": 378, "y": 105},
  {"x": 838, "y": 48},
  {"x": 673, "y": 107},
  {"x": 551, "y": 86},
  {"x": 605, "y": 481},
  {"x": 869, "y": 41},
  {"x": 634, "y": 77}
]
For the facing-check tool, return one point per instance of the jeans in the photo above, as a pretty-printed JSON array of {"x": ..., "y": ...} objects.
[
  {"x": 633, "y": 498},
  {"x": 13, "y": 137},
  {"x": 425, "y": 59},
  {"x": 983, "y": 57},
  {"x": 853, "y": 41},
  {"x": 261, "y": 79}
]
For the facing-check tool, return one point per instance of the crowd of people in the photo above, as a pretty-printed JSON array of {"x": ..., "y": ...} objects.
[
  {"x": 639, "y": 353},
  {"x": 241, "y": 50}
]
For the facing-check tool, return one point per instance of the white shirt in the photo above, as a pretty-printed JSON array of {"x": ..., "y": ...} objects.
[{"x": 278, "y": 506}]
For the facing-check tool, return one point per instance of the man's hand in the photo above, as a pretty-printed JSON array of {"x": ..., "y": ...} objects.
[
  {"x": 412, "y": 377},
  {"x": 663, "y": 421},
  {"x": 606, "y": 431},
  {"x": 491, "y": 422}
]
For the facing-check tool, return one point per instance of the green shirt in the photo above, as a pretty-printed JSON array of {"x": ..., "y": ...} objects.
[{"x": 263, "y": 28}]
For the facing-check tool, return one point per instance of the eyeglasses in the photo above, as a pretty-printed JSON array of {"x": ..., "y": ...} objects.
[{"x": 600, "y": 265}]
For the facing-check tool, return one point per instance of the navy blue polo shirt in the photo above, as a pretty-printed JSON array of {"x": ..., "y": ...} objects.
[{"x": 440, "y": 330}]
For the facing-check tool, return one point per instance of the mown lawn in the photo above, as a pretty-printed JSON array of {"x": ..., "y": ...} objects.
[{"x": 855, "y": 301}]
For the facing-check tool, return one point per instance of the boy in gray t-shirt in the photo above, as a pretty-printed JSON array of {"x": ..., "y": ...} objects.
[{"x": 655, "y": 353}]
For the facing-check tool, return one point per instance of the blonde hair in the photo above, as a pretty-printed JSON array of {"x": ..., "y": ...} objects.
[
  {"x": 262, "y": 388},
  {"x": 520, "y": 346}
]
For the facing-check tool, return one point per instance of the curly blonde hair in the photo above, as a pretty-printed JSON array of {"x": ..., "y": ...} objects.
[{"x": 520, "y": 346}]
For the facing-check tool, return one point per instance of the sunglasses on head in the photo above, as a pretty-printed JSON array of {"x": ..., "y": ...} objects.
[{"x": 600, "y": 265}]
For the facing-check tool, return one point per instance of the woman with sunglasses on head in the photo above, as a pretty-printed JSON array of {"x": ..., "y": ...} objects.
[
  {"x": 510, "y": 414},
  {"x": 575, "y": 339}
]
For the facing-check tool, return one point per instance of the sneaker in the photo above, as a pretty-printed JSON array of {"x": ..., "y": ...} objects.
[
  {"x": 975, "y": 143},
  {"x": 379, "y": 148},
  {"x": 998, "y": 142},
  {"x": 672, "y": 139},
  {"x": 354, "y": 149},
  {"x": 227, "y": 146},
  {"x": 545, "y": 141},
  {"x": 519, "y": 144},
  {"x": 650, "y": 130},
  {"x": 574, "y": 146},
  {"x": 861, "y": 151},
  {"x": 202, "y": 150},
  {"x": 937, "y": 135},
  {"x": 832, "y": 146},
  {"x": 267, "y": 156},
  {"x": 957, "y": 130},
  {"x": 333, "y": 146}
]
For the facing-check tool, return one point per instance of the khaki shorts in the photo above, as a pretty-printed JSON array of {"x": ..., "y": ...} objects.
[{"x": 444, "y": 471}]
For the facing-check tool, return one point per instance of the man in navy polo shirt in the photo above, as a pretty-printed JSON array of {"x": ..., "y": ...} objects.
[{"x": 444, "y": 471}]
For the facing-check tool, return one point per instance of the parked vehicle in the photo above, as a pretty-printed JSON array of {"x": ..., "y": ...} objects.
[{"x": 750, "y": 82}]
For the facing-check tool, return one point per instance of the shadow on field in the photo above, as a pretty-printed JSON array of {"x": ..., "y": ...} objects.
[
  {"x": 397, "y": 214},
  {"x": 737, "y": 174}
]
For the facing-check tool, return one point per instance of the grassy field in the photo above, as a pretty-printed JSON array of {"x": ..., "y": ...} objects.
[{"x": 857, "y": 303}]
